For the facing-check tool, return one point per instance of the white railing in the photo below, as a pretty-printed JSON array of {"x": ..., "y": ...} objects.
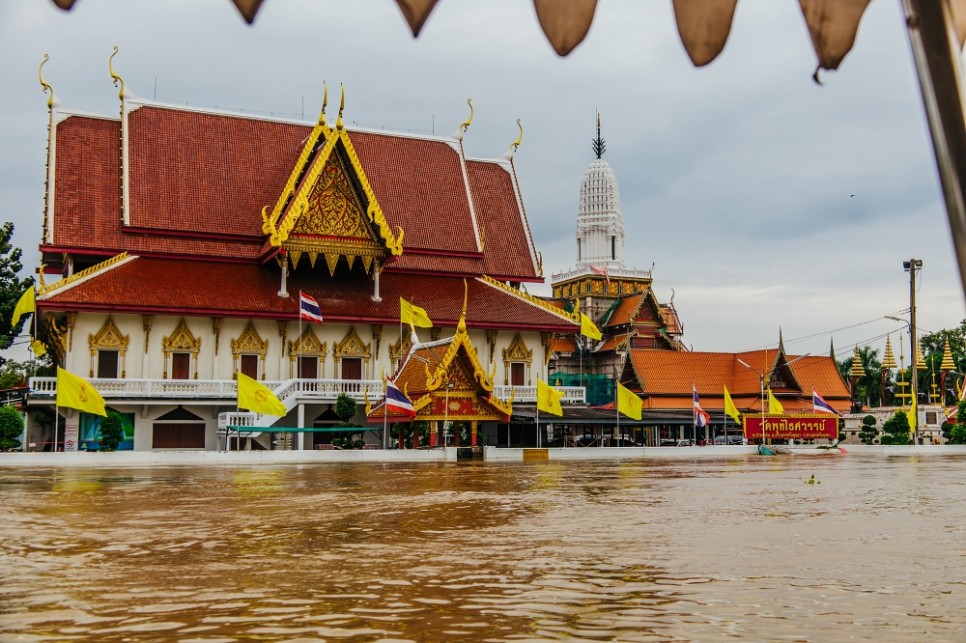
[
  {"x": 289, "y": 391},
  {"x": 571, "y": 394}
]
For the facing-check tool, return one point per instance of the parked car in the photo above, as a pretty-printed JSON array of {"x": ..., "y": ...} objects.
[
  {"x": 728, "y": 440},
  {"x": 685, "y": 443}
]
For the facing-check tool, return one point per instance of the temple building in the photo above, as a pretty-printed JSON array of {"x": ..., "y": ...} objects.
[
  {"x": 176, "y": 242},
  {"x": 641, "y": 346}
]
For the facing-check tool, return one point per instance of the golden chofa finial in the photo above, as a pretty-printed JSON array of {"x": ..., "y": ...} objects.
[
  {"x": 117, "y": 79},
  {"x": 43, "y": 83},
  {"x": 465, "y": 125},
  {"x": 338, "y": 121},
  {"x": 325, "y": 102},
  {"x": 515, "y": 144},
  {"x": 461, "y": 326}
]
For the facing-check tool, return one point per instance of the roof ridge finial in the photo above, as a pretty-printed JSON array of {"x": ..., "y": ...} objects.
[
  {"x": 325, "y": 102},
  {"x": 47, "y": 87},
  {"x": 599, "y": 144},
  {"x": 465, "y": 125},
  {"x": 338, "y": 122},
  {"x": 461, "y": 327},
  {"x": 114, "y": 75},
  {"x": 515, "y": 144}
]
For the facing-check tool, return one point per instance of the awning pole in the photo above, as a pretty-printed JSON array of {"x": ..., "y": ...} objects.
[{"x": 936, "y": 52}]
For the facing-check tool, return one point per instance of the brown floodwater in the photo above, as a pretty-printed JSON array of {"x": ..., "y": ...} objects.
[{"x": 799, "y": 548}]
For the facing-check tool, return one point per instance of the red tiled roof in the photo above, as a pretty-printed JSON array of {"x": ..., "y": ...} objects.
[
  {"x": 507, "y": 242},
  {"x": 163, "y": 286},
  {"x": 207, "y": 173},
  {"x": 199, "y": 181}
]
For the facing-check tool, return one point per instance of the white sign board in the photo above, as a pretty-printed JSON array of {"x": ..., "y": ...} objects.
[{"x": 70, "y": 437}]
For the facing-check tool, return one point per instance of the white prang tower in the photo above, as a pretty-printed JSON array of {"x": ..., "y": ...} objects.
[{"x": 600, "y": 226}]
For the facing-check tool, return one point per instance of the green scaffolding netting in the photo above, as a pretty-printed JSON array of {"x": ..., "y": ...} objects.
[{"x": 600, "y": 388}]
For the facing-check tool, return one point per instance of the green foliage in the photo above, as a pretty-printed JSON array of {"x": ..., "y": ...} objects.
[
  {"x": 345, "y": 408},
  {"x": 11, "y": 286},
  {"x": 11, "y": 426},
  {"x": 895, "y": 430},
  {"x": 14, "y": 374},
  {"x": 868, "y": 434},
  {"x": 112, "y": 430},
  {"x": 957, "y": 434}
]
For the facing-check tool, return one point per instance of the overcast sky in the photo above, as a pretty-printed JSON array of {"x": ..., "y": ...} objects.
[{"x": 764, "y": 200}]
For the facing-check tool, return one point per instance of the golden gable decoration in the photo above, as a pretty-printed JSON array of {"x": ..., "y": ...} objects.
[
  {"x": 517, "y": 351},
  {"x": 320, "y": 211},
  {"x": 308, "y": 345},
  {"x": 109, "y": 337},
  {"x": 351, "y": 346},
  {"x": 181, "y": 341}
]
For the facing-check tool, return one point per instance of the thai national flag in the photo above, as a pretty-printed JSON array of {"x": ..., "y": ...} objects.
[
  {"x": 701, "y": 417},
  {"x": 396, "y": 400},
  {"x": 821, "y": 406},
  {"x": 309, "y": 308}
]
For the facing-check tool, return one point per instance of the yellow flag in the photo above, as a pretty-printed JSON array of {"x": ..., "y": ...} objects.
[
  {"x": 588, "y": 328},
  {"x": 548, "y": 398},
  {"x": 413, "y": 315},
  {"x": 730, "y": 408},
  {"x": 911, "y": 415},
  {"x": 38, "y": 348},
  {"x": 628, "y": 402},
  {"x": 774, "y": 406},
  {"x": 26, "y": 304},
  {"x": 257, "y": 397},
  {"x": 75, "y": 392}
]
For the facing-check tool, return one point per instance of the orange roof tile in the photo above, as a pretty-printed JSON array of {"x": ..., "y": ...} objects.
[{"x": 626, "y": 310}]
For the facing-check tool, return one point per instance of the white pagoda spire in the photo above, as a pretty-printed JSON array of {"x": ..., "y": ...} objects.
[{"x": 600, "y": 226}]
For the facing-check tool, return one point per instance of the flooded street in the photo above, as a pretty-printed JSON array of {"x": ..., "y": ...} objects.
[{"x": 869, "y": 549}]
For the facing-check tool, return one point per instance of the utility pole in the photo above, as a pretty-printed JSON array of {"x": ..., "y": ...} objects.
[{"x": 911, "y": 267}]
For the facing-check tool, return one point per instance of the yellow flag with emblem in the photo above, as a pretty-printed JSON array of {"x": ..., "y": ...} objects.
[
  {"x": 413, "y": 315},
  {"x": 628, "y": 402},
  {"x": 774, "y": 406},
  {"x": 548, "y": 398},
  {"x": 588, "y": 328},
  {"x": 730, "y": 408},
  {"x": 75, "y": 392},
  {"x": 257, "y": 397}
]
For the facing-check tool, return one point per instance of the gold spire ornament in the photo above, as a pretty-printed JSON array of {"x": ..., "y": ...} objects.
[
  {"x": 857, "y": 369},
  {"x": 920, "y": 362},
  {"x": 889, "y": 360},
  {"x": 338, "y": 121},
  {"x": 118, "y": 81},
  {"x": 43, "y": 83},
  {"x": 947, "y": 364}
]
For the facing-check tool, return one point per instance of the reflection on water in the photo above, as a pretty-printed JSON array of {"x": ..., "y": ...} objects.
[{"x": 579, "y": 551}]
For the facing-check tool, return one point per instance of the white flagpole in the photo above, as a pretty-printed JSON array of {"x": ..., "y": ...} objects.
[
  {"x": 385, "y": 413},
  {"x": 617, "y": 407}
]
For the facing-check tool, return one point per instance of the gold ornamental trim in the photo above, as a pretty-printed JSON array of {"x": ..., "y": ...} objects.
[
  {"x": 560, "y": 312},
  {"x": 86, "y": 272}
]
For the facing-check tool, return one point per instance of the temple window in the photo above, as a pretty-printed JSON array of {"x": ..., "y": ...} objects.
[
  {"x": 517, "y": 359},
  {"x": 107, "y": 362},
  {"x": 307, "y": 356},
  {"x": 181, "y": 366},
  {"x": 181, "y": 341},
  {"x": 108, "y": 349},
  {"x": 248, "y": 353},
  {"x": 351, "y": 356}
]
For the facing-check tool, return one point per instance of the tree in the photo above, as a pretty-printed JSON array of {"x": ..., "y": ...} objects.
[
  {"x": 345, "y": 408},
  {"x": 895, "y": 430},
  {"x": 112, "y": 430},
  {"x": 14, "y": 374},
  {"x": 11, "y": 426},
  {"x": 868, "y": 434},
  {"x": 11, "y": 286}
]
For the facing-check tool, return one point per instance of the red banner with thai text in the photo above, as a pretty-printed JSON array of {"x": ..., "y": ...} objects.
[{"x": 792, "y": 427}]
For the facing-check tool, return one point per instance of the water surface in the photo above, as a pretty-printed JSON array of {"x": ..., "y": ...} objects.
[{"x": 800, "y": 548}]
